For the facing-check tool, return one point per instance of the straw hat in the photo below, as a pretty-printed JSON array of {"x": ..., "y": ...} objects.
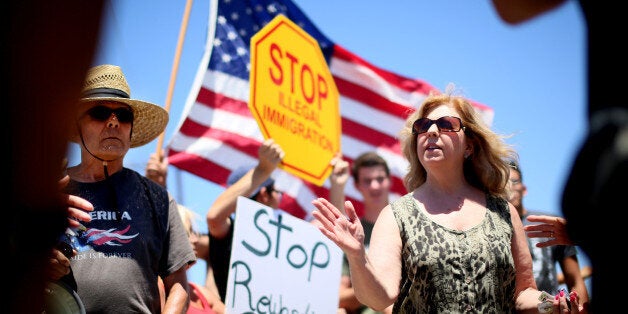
[{"x": 107, "y": 82}]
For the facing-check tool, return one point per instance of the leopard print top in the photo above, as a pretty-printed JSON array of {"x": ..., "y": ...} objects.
[{"x": 451, "y": 271}]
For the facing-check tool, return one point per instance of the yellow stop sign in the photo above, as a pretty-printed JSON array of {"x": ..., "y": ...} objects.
[{"x": 294, "y": 98}]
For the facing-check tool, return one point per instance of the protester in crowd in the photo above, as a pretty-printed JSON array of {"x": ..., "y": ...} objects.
[
  {"x": 545, "y": 259},
  {"x": 447, "y": 244},
  {"x": 202, "y": 299},
  {"x": 252, "y": 182},
  {"x": 135, "y": 233},
  {"x": 157, "y": 170},
  {"x": 256, "y": 183},
  {"x": 371, "y": 177},
  {"x": 598, "y": 174}
]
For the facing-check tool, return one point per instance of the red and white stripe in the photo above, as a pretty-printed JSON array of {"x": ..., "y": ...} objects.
[{"x": 219, "y": 133}]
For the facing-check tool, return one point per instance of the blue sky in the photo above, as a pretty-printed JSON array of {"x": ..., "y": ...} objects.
[{"x": 532, "y": 75}]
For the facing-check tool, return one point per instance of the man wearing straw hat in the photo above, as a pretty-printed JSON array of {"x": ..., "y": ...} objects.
[{"x": 135, "y": 233}]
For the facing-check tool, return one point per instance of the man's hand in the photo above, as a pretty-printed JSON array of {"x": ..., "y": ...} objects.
[
  {"x": 157, "y": 168},
  {"x": 77, "y": 206}
]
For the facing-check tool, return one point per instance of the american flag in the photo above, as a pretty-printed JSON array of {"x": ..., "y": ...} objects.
[{"x": 219, "y": 133}]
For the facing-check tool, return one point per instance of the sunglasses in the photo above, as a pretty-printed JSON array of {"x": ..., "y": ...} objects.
[
  {"x": 102, "y": 113},
  {"x": 272, "y": 189},
  {"x": 444, "y": 124}
]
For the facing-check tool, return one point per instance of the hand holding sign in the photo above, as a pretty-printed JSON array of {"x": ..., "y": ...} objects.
[
  {"x": 294, "y": 98},
  {"x": 277, "y": 261}
]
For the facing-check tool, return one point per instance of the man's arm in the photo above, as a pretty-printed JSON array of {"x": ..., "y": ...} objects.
[
  {"x": 177, "y": 294},
  {"x": 157, "y": 168},
  {"x": 269, "y": 156},
  {"x": 338, "y": 180}
]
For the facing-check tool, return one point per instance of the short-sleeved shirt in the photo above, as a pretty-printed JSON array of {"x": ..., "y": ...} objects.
[
  {"x": 135, "y": 235},
  {"x": 219, "y": 257}
]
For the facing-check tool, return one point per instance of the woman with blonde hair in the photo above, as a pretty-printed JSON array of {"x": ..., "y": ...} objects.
[
  {"x": 453, "y": 244},
  {"x": 202, "y": 298}
]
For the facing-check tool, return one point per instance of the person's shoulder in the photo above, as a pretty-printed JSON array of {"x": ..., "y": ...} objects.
[
  {"x": 154, "y": 185},
  {"x": 402, "y": 204},
  {"x": 149, "y": 186},
  {"x": 150, "y": 183},
  {"x": 498, "y": 205},
  {"x": 404, "y": 198},
  {"x": 126, "y": 174},
  {"x": 496, "y": 201}
]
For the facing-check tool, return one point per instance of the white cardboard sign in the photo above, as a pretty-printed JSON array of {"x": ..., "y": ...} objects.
[{"x": 280, "y": 264}]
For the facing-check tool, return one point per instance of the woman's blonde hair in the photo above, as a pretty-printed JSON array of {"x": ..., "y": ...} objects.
[
  {"x": 486, "y": 168},
  {"x": 188, "y": 217}
]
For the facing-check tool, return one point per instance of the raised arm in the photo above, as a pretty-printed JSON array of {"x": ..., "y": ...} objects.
[
  {"x": 338, "y": 179},
  {"x": 157, "y": 168},
  {"x": 375, "y": 279},
  {"x": 269, "y": 156}
]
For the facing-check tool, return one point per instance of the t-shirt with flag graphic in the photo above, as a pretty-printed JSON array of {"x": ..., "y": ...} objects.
[
  {"x": 135, "y": 235},
  {"x": 218, "y": 133}
]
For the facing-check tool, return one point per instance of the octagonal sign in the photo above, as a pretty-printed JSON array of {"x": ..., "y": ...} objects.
[{"x": 294, "y": 98}]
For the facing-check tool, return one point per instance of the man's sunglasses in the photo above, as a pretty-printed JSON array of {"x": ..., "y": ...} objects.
[
  {"x": 272, "y": 188},
  {"x": 444, "y": 124},
  {"x": 102, "y": 113}
]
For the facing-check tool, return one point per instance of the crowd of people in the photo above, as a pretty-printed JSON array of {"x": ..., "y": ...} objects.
[
  {"x": 203, "y": 298},
  {"x": 134, "y": 233},
  {"x": 371, "y": 177},
  {"x": 454, "y": 243},
  {"x": 545, "y": 259},
  {"x": 459, "y": 240}
]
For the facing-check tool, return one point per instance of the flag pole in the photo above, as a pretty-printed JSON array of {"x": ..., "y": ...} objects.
[{"x": 175, "y": 68}]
